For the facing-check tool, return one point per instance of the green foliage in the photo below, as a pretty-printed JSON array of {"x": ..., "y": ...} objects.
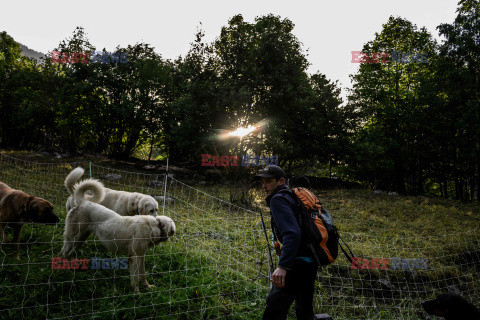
[
  {"x": 391, "y": 108},
  {"x": 253, "y": 72},
  {"x": 263, "y": 71},
  {"x": 419, "y": 129},
  {"x": 409, "y": 127}
]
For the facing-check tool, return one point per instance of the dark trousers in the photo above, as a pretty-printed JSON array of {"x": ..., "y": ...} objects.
[{"x": 299, "y": 287}]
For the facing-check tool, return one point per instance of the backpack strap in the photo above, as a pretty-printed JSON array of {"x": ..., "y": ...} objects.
[
  {"x": 297, "y": 207},
  {"x": 349, "y": 257},
  {"x": 274, "y": 229},
  {"x": 291, "y": 193}
]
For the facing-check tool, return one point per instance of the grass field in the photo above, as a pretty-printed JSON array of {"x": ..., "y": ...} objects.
[{"x": 216, "y": 266}]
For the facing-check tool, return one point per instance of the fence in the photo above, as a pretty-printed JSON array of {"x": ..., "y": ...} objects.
[{"x": 216, "y": 266}]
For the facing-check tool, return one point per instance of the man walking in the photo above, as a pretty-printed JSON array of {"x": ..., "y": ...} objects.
[{"x": 294, "y": 279}]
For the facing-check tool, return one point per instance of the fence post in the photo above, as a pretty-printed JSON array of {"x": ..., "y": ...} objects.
[
  {"x": 270, "y": 259},
  {"x": 165, "y": 190}
]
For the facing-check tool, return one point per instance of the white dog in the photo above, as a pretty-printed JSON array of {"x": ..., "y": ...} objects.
[
  {"x": 122, "y": 202},
  {"x": 131, "y": 236}
]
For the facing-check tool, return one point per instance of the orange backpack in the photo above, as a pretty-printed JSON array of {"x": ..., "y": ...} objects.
[{"x": 316, "y": 224}]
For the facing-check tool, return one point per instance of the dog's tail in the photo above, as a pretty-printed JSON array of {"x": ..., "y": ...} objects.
[
  {"x": 73, "y": 177},
  {"x": 90, "y": 189}
]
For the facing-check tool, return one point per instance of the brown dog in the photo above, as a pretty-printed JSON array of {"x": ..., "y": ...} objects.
[{"x": 17, "y": 208}]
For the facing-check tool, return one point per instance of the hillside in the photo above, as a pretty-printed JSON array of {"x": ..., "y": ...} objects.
[
  {"x": 30, "y": 53},
  {"x": 216, "y": 266}
]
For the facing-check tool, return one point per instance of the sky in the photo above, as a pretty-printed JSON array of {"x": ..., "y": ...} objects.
[{"x": 329, "y": 31}]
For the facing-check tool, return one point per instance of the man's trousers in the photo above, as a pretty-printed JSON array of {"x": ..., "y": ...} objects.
[{"x": 299, "y": 287}]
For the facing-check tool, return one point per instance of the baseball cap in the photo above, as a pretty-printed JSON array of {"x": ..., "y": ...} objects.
[{"x": 271, "y": 171}]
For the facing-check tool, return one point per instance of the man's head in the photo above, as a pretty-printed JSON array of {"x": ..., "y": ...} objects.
[{"x": 272, "y": 177}]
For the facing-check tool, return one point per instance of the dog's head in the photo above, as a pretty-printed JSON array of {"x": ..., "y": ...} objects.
[
  {"x": 448, "y": 305},
  {"x": 166, "y": 226},
  {"x": 148, "y": 206},
  {"x": 40, "y": 210}
]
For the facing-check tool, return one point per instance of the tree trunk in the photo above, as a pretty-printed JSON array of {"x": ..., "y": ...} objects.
[
  {"x": 330, "y": 168},
  {"x": 475, "y": 182},
  {"x": 477, "y": 151},
  {"x": 151, "y": 150},
  {"x": 445, "y": 185},
  {"x": 399, "y": 173}
]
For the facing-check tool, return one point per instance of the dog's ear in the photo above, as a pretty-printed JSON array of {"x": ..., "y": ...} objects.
[
  {"x": 136, "y": 205},
  {"x": 29, "y": 208},
  {"x": 40, "y": 210},
  {"x": 161, "y": 225},
  {"x": 141, "y": 206},
  {"x": 163, "y": 230}
]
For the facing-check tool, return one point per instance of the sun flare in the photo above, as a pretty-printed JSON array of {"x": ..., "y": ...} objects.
[{"x": 242, "y": 132}]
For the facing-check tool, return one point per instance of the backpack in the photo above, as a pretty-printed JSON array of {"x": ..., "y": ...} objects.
[{"x": 316, "y": 225}]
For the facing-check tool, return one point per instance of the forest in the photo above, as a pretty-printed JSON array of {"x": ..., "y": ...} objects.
[{"x": 413, "y": 128}]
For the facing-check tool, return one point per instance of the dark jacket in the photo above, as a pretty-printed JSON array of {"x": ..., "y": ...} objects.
[{"x": 282, "y": 209}]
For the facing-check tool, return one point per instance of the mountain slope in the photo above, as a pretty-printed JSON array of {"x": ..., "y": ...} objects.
[{"x": 27, "y": 52}]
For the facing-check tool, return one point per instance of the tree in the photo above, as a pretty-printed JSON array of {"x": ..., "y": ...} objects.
[
  {"x": 387, "y": 95},
  {"x": 10, "y": 62},
  {"x": 461, "y": 52},
  {"x": 188, "y": 121},
  {"x": 263, "y": 72}
]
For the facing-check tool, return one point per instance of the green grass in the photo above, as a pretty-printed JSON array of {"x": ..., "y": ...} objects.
[{"x": 216, "y": 266}]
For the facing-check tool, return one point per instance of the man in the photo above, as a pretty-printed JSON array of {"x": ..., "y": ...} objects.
[{"x": 294, "y": 279}]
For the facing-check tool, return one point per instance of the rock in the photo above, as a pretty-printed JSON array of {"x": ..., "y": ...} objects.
[
  {"x": 394, "y": 194},
  {"x": 216, "y": 235},
  {"x": 174, "y": 169},
  {"x": 377, "y": 192},
  {"x": 453, "y": 289},
  {"x": 156, "y": 184},
  {"x": 213, "y": 171},
  {"x": 111, "y": 176},
  {"x": 322, "y": 316},
  {"x": 385, "y": 284},
  {"x": 57, "y": 156},
  {"x": 161, "y": 198}
]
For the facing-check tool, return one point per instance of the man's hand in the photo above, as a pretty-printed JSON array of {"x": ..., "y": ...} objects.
[{"x": 278, "y": 277}]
